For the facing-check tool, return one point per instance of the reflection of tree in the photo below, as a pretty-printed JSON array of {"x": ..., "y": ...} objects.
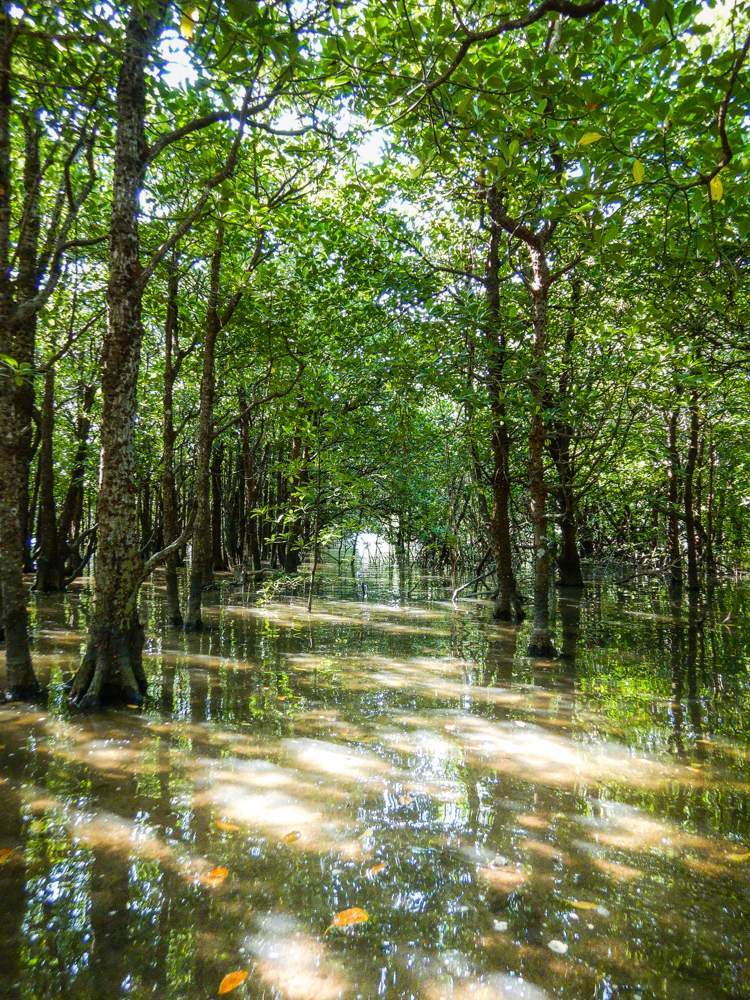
[
  {"x": 57, "y": 935},
  {"x": 676, "y": 713},
  {"x": 501, "y": 650},
  {"x": 569, "y": 608}
]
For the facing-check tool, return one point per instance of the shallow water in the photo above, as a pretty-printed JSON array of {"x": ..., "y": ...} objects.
[{"x": 576, "y": 828}]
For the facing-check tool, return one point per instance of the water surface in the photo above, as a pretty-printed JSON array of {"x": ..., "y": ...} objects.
[{"x": 512, "y": 828}]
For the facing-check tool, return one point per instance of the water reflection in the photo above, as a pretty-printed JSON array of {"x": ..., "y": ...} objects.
[{"x": 575, "y": 828}]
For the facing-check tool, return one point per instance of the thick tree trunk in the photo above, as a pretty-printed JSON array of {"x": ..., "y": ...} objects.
[
  {"x": 509, "y": 603},
  {"x": 540, "y": 643},
  {"x": 112, "y": 667},
  {"x": 50, "y": 568},
  {"x": 201, "y": 564},
  {"x": 20, "y": 679},
  {"x": 673, "y": 494},
  {"x": 170, "y": 523}
]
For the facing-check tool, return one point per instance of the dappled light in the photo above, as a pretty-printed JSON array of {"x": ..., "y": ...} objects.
[{"x": 337, "y": 809}]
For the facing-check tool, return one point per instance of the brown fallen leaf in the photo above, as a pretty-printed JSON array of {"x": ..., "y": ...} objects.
[
  {"x": 231, "y": 981},
  {"x": 216, "y": 876},
  {"x": 371, "y": 872},
  {"x": 6, "y": 854},
  {"x": 290, "y": 837},
  {"x": 227, "y": 827},
  {"x": 349, "y": 917}
]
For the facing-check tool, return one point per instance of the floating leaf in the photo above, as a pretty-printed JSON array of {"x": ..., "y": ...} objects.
[
  {"x": 589, "y": 137},
  {"x": 559, "y": 947},
  {"x": 349, "y": 917},
  {"x": 716, "y": 189},
  {"x": 231, "y": 981},
  {"x": 227, "y": 827},
  {"x": 371, "y": 872},
  {"x": 639, "y": 171},
  {"x": 290, "y": 837},
  {"x": 132, "y": 706},
  {"x": 582, "y": 904},
  {"x": 216, "y": 876}
]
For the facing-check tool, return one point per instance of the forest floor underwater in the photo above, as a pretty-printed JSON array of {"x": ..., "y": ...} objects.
[{"x": 385, "y": 797}]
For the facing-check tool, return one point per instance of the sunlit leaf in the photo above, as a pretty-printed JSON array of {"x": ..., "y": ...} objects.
[
  {"x": 639, "y": 172},
  {"x": 582, "y": 904},
  {"x": 737, "y": 858},
  {"x": 187, "y": 24},
  {"x": 716, "y": 189},
  {"x": 290, "y": 837},
  {"x": 216, "y": 876},
  {"x": 589, "y": 137},
  {"x": 231, "y": 981},
  {"x": 353, "y": 915},
  {"x": 227, "y": 827},
  {"x": 371, "y": 872}
]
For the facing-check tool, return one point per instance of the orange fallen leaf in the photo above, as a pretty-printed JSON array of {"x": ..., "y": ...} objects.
[
  {"x": 349, "y": 917},
  {"x": 375, "y": 869},
  {"x": 231, "y": 981},
  {"x": 290, "y": 837},
  {"x": 6, "y": 853},
  {"x": 216, "y": 876},
  {"x": 227, "y": 827}
]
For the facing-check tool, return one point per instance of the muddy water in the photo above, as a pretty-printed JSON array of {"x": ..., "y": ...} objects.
[{"x": 576, "y": 828}]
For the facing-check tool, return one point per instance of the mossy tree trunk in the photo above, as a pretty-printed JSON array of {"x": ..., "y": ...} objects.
[{"x": 112, "y": 668}]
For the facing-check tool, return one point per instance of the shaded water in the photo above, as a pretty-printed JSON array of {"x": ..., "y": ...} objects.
[{"x": 576, "y": 828}]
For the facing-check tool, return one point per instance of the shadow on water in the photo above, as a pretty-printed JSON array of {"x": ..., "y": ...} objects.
[{"x": 513, "y": 828}]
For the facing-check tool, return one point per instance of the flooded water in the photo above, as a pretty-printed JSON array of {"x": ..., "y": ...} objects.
[{"x": 510, "y": 828}]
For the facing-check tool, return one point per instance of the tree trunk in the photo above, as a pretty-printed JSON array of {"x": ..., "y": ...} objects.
[
  {"x": 25, "y": 338},
  {"x": 112, "y": 667},
  {"x": 250, "y": 544},
  {"x": 50, "y": 568},
  {"x": 509, "y": 603},
  {"x": 569, "y": 573},
  {"x": 71, "y": 516},
  {"x": 693, "y": 580},
  {"x": 201, "y": 565},
  {"x": 20, "y": 679},
  {"x": 540, "y": 643},
  {"x": 170, "y": 524},
  {"x": 218, "y": 562},
  {"x": 673, "y": 517}
]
